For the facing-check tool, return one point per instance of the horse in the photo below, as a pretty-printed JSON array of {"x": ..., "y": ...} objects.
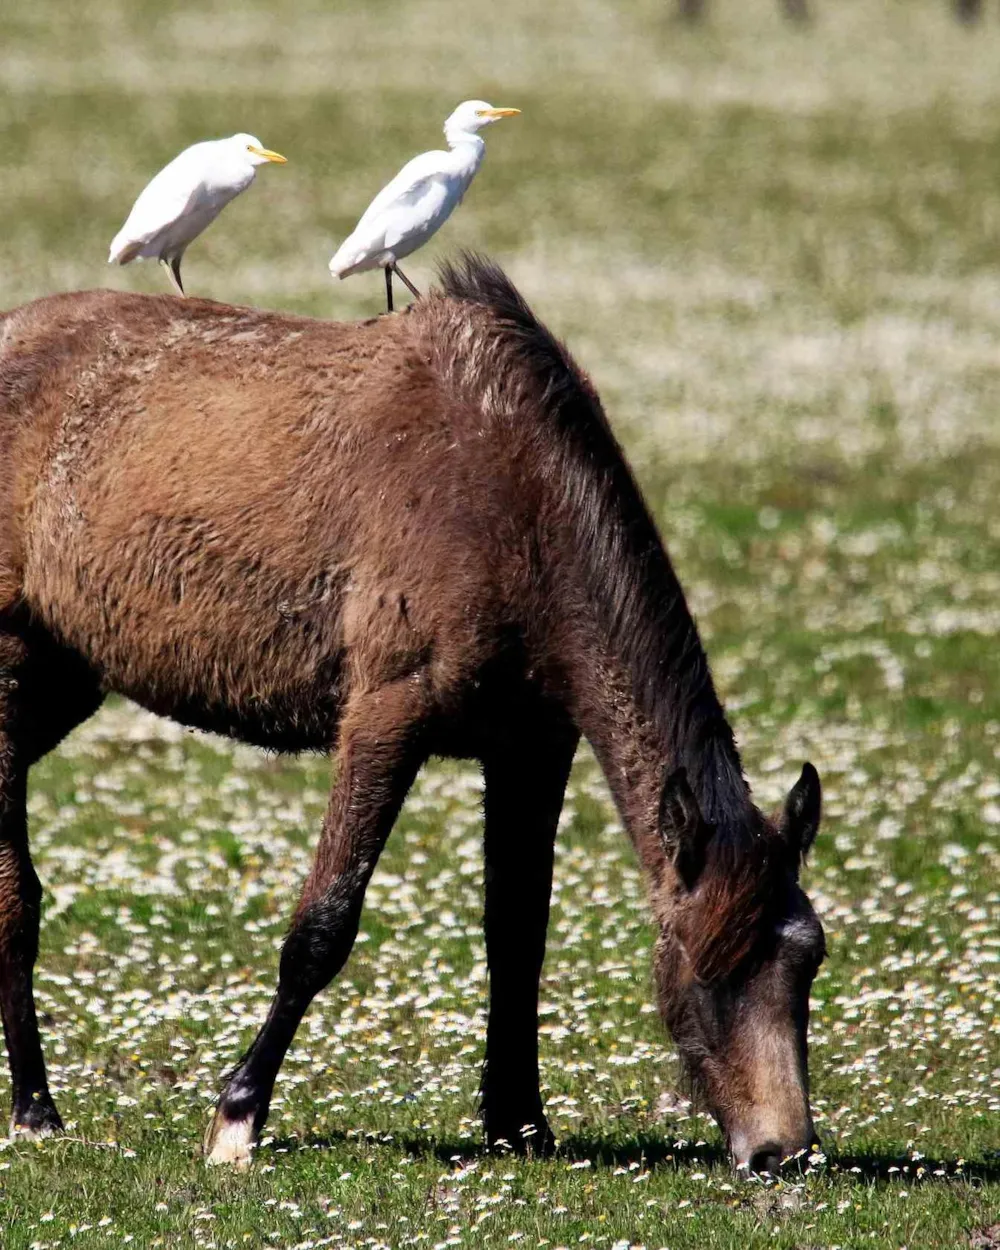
[{"x": 403, "y": 537}]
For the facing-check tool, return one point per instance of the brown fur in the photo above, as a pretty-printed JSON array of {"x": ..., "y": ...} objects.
[{"x": 408, "y": 536}]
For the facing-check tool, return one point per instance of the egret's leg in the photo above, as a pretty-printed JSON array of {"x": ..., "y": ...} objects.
[
  {"x": 173, "y": 268},
  {"x": 403, "y": 278},
  {"x": 175, "y": 272},
  {"x": 388, "y": 287}
]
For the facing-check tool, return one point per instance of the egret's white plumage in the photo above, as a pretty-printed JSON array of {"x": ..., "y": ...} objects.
[
  {"x": 186, "y": 196},
  {"x": 419, "y": 200}
]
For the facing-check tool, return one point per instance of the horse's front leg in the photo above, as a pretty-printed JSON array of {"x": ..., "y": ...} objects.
[
  {"x": 380, "y": 753},
  {"x": 524, "y": 795}
]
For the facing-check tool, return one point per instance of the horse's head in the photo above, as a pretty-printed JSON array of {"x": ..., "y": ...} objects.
[{"x": 738, "y": 950}]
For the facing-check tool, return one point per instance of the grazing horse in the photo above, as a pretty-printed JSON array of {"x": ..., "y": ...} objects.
[{"x": 410, "y": 536}]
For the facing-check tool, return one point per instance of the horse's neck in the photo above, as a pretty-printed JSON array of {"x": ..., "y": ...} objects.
[
  {"x": 637, "y": 746},
  {"x": 641, "y": 689},
  {"x": 628, "y": 747}
]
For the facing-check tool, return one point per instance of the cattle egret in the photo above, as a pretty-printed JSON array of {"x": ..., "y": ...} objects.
[
  {"x": 186, "y": 196},
  {"x": 419, "y": 200}
]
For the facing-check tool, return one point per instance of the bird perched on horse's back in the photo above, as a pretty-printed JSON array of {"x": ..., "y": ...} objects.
[
  {"x": 186, "y": 196},
  {"x": 419, "y": 200}
]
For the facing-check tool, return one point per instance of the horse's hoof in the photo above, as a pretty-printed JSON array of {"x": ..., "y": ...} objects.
[
  {"x": 37, "y": 1120},
  {"x": 535, "y": 1139},
  {"x": 230, "y": 1142}
]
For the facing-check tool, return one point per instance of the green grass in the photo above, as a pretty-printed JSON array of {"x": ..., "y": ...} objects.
[{"x": 777, "y": 253}]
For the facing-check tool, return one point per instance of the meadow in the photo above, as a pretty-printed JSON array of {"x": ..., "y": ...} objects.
[{"x": 777, "y": 251}]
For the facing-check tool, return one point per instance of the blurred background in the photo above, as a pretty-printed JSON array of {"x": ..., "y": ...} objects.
[{"x": 764, "y": 237}]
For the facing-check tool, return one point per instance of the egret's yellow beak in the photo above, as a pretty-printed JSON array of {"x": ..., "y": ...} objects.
[
  {"x": 267, "y": 154},
  {"x": 498, "y": 113}
]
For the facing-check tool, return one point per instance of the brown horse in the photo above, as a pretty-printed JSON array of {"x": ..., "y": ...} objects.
[{"x": 408, "y": 536}]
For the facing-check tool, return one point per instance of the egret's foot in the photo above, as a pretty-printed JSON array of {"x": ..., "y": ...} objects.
[
  {"x": 525, "y": 1137},
  {"x": 230, "y": 1142},
  {"x": 36, "y": 1119}
]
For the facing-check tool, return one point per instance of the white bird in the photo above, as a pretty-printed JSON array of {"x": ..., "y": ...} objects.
[
  {"x": 186, "y": 196},
  {"x": 419, "y": 200}
]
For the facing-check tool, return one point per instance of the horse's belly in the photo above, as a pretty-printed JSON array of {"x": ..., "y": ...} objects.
[
  {"x": 239, "y": 649},
  {"x": 282, "y": 696},
  {"x": 295, "y": 719}
]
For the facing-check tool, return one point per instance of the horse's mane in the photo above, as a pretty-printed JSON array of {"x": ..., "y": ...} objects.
[
  {"x": 510, "y": 356},
  {"x": 506, "y": 360}
]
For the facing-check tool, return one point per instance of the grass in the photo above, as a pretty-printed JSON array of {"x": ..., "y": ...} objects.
[{"x": 776, "y": 251}]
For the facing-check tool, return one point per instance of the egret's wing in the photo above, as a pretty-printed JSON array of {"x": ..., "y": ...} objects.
[
  {"x": 408, "y": 185},
  {"x": 177, "y": 190},
  {"x": 408, "y": 211},
  {"x": 424, "y": 208}
]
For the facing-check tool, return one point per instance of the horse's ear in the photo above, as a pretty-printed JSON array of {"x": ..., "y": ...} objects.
[
  {"x": 682, "y": 828},
  {"x": 801, "y": 815}
]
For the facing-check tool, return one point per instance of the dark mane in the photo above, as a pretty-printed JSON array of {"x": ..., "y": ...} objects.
[
  {"x": 629, "y": 578},
  {"x": 529, "y": 346}
]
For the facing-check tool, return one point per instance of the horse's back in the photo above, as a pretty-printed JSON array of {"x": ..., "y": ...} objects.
[{"x": 199, "y": 499}]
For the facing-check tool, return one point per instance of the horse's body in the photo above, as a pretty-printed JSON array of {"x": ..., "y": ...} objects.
[{"x": 403, "y": 537}]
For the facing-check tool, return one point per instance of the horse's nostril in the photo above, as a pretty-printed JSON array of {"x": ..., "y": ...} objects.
[{"x": 766, "y": 1158}]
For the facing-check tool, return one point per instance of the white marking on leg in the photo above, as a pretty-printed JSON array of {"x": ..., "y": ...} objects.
[
  {"x": 230, "y": 1142},
  {"x": 24, "y": 1132}
]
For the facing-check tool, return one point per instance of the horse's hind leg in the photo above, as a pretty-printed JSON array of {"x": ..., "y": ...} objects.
[
  {"x": 379, "y": 755},
  {"x": 524, "y": 795},
  {"x": 43, "y": 694},
  {"x": 32, "y": 1109}
]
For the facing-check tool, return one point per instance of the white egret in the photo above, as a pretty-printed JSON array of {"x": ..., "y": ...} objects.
[
  {"x": 186, "y": 196},
  {"x": 419, "y": 200}
]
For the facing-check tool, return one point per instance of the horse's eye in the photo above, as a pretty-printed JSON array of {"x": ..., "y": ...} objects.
[{"x": 803, "y": 941}]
